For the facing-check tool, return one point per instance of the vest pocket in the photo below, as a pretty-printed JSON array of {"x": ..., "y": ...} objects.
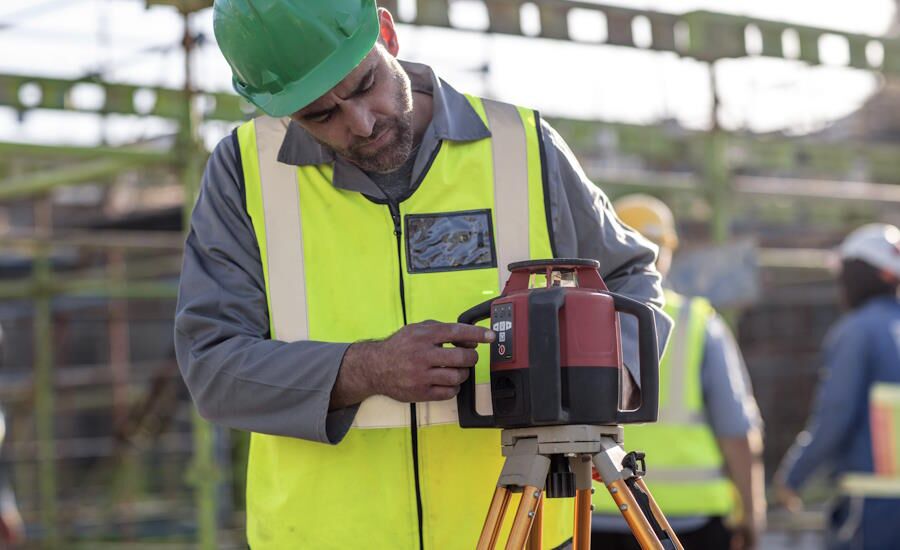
[{"x": 450, "y": 241}]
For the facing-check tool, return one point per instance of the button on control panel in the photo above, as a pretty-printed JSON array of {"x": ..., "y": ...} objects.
[{"x": 502, "y": 324}]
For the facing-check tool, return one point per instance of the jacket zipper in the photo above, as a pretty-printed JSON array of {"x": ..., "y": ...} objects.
[
  {"x": 413, "y": 424},
  {"x": 393, "y": 206}
]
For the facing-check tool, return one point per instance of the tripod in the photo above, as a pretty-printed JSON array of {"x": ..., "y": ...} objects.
[{"x": 559, "y": 459}]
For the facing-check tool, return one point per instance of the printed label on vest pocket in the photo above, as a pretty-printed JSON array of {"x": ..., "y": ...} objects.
[{"x": 450, "y": 241}]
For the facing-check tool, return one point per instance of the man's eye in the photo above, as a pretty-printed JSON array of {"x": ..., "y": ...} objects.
[
  {"x": 367, "y": 87},
  {"x": 320, "y": 118}
]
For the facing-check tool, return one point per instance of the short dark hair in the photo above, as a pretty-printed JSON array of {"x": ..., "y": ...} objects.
[{"x": 861, "y": 281}]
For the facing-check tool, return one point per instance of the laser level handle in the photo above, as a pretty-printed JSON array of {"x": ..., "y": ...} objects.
[
  {"x": 648, "y": 355},
  {"x": 544, "y": 358},
  {"x": 465, "y": 399}
]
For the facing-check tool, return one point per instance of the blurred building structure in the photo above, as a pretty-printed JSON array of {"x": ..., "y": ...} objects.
[{"x": 90, "y": 243}]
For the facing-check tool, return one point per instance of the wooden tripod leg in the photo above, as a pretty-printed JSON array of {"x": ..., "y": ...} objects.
[
  {"x": 582, "y": 537},
  {"x": 633, "y": 515},
  {"x": 536, "y": 536},
  {"x": 581, "y": 467},
  {"x": 531, "y": 498},
  {"x": 659, "y": 515},
  {"x": 494, "y": 519}
]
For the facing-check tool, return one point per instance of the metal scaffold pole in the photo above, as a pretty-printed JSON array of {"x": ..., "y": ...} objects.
[
  {"x": 204, "y": 474},
  {"x": 716, "y": 172},
  {"x": 43, "y": 386}
]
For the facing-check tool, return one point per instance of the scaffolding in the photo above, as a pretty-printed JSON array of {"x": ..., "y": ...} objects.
[{"x": 122, "y": 267}]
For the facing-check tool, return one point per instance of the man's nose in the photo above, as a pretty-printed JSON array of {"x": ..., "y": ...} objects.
[{"x": 360, "y": 120}]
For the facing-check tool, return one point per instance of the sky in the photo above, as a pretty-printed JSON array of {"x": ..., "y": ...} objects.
[{"x": 124, "y": 41}]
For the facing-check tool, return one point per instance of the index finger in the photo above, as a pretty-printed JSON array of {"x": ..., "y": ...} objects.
[{"x": 462, "y": 333}]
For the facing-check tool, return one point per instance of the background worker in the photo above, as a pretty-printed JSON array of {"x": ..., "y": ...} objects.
[
  {"x": 861, "y": 350},
  {"x": 333, "y": 243},
  {"x": 707, "y": 443}
]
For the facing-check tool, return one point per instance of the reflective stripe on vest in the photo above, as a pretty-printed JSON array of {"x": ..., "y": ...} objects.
[
  {"x": 684, "y": 463},
  {"x": 338, "y": 250}
]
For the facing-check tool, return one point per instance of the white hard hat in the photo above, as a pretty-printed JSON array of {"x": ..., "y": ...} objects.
[{"x": 877, "y": 244}]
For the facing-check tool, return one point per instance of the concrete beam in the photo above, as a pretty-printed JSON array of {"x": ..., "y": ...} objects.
[
  {"x": 94, "y": 171},
  {"x": 25, "y": 92},
  {"x": 57, "y": 151}
]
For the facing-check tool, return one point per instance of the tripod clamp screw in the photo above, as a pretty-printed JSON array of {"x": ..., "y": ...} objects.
[{"x": 634, "y": 461}]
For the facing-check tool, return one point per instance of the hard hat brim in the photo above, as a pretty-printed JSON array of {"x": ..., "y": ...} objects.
[{"x": 325, "y": 76}]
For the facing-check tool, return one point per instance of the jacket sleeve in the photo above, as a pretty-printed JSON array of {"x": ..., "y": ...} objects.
[
  {"x": 728, "y": 401},
  {"x": 839, "y": 406},
  {"x": 236, "y": 375},
  {"x": 585, "y": 225}
]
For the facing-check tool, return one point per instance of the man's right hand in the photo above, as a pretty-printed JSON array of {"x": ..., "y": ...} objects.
[
  {"x": 12, "y": 528},
  {"x": 786, "y": 496},
  {"x": 412, "y": 365}
]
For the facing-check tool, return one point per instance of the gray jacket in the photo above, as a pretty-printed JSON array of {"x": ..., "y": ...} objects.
[{"x": 240, "y": 378}]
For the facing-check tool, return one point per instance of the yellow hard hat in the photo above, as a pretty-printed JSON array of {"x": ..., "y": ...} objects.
[{"x": 650, "y": 217}]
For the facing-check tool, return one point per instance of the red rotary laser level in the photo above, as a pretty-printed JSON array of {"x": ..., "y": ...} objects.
[
  {"x": 557, "y": 358},
  {"x": 556, "y": 371}
]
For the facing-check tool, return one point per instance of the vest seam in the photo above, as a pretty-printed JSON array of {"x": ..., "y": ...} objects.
[
  {"x": 243, "y": 189},
  {"x": 675, "y": 407},
  {"x": 700, "y": 314},
  {"x": 416, "y": 184},
  {"x": 545, "y": 182},
  {"x": 239, "y": 165},
  {"x": 397, "y": 218}
]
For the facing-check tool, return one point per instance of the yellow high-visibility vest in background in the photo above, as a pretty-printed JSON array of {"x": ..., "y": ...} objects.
[
  {"x": 685, "y": 468},
  {"x": 336, "y": 271}
]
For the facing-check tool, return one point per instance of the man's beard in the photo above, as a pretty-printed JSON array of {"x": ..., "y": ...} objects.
[{"x": 394, "y": 153}]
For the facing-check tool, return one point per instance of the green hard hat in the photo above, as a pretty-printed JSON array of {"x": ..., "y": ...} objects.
[{"x": 284, "y": 54}]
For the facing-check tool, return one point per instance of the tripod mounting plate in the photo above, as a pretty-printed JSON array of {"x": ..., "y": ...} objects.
[
  {"x": 568, "y": 440},
  {"x": 528, "y": 452}
]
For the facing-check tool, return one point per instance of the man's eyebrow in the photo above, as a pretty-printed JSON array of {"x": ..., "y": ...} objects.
[{"x": 363, "y": 82}]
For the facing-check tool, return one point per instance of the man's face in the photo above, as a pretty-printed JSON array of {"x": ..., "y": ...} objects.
[{"x": 367, "y": 118}]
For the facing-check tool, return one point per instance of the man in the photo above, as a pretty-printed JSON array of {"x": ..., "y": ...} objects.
[
  {"x": 860, "y": 351},
  {"x": 332, "y": 245},
  {"x": 707, "y": 443}
]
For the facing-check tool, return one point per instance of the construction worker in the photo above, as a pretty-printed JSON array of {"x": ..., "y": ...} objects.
[
  {"x": 861, "y": 351},
  {"x": 333, "y": 244},
  {"x": 707, "y": 443}
]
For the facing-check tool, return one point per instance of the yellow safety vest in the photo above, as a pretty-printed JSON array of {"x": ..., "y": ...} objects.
[
  {"x": 336, "y": 271},
  {"x": 684, "y": 464}
]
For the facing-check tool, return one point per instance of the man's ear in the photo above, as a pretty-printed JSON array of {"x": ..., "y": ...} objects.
[
  {"x": 888, "y": 277},
  {"x": 388, "y": 34}
]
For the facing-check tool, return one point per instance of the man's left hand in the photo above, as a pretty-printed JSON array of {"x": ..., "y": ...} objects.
[{"x": 745, "y": 536}]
